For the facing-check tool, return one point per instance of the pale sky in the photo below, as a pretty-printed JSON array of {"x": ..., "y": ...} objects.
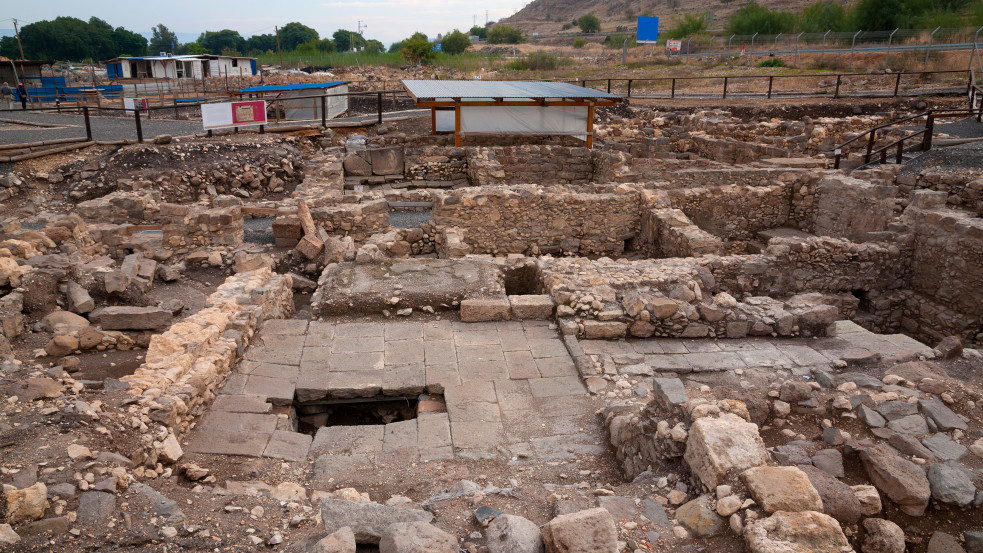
[{"x": 384, "y": 20}]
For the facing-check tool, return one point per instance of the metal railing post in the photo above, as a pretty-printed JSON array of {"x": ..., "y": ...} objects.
[
  {"x": 136, "y": 115},
  {"x": 887, "y": 57},
  {"x": 379, "y": 104},
  {"x": 629, "y": 89},
  {"x": 928, "y": 50},
  {"x": 725, "y": 87},
  {"x": 771, "y": 82},
  {"x": 673, "y": 93},
  {"x": 751, "y": 53},
  {"x": 728, "y": 42},
  {"x": 88, "y": 125},
  {"x": 897, "y": 84},
  {"x": 836, "y": 94},
  {"x": 929, "y": 130},
  {"x": 324, "y": 113},
  {"x": 775, "y": 47},
  {"x": 870, "y": 145},
  {"x": 823, "y": 54},
  {"x": 853, "y": 47},
  {"x": 976, "y": 49}
]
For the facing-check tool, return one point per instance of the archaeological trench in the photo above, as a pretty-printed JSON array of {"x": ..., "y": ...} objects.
[{"x": 696, "y": 336}]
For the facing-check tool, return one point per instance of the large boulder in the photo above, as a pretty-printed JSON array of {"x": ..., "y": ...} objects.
[
  {"x": 802, "y": 532},
  {"x": 514, "y": 534},
  {"x": 900, "y": 479},
  {"x": 339, "y": 541},
  {"x": 590, "y": 531},
  {"x": 24, "y": 505},
  {"x": 716, "y": 446},
  {"x": 951, "y": 483},
  {"x": 839, "y": 499},
  {"x": 131, "y": 318},
  {"x": 416, "y": 537},
  {"x": 367, "y": 520},
  {"x": 782, "y": 489}
]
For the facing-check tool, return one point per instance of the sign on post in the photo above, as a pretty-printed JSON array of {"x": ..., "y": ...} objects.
[
  {"x": 674, "y": 45},
  {"x": 648, "y": 30},
  {"x": 134, "y": 104},
  {"x": 233, "y": 114}
]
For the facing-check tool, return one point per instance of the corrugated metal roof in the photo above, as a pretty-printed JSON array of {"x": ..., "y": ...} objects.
[
  {"x": 479, "y": 90},
  {"x": 286, "y": 87}
]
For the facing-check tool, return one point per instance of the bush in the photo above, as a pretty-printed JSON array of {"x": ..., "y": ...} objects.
[
  {"x": 455, "y": 42},
  {"x": 579, "y": 43},
  {"x": 536, "y": 61},
  {"x": 773, "y": 62},
  {"x": 566, "y": 27},
  {"x": 504, "y": 34},
  {"x": 617, "y": 40},
  {"x": 589, "y": 23},
  {"x": 754, "y": 18},
  {"x": 690, "y": 24}
]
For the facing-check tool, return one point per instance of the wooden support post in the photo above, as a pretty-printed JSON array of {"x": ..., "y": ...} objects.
[
  {"x": 771, "y": 83},
  {"x": 433, "y": 121},
  {"x": 457, "y": 124},
  {"x": 837, "y": 93},
  {"x": 88, "y": 125},
  {"x": 324, "y": 113},
  {"x": 590, "y": 125},
  {"x": 673, "y": 93},
  {"x": 725, "y": 86},
  {"x": 870, "y": 145},
  {"x": 136, "y": 116},
  {"x": 629, "y": 88},
  {"x": 897, "y": 85}
]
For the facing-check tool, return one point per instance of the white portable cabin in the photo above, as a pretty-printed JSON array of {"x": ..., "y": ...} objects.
[{"x": 180, "y": 67}]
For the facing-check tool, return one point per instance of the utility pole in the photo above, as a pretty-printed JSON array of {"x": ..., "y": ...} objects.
[
  {"x": 277, "y": 31},
  {"x": 19, "y": 45},
  {"x": 360, "y": 25}
]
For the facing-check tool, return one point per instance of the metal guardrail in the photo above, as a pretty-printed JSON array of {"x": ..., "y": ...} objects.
[{"x": 726, "y": 81}]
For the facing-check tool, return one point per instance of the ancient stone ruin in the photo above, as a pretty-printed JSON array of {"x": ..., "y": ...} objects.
[{"x": 696, "y": 335}]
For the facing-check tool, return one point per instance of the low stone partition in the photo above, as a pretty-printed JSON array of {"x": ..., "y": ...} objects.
[
  {"x": 187, "y": 227},
  {"x": 728, "y": 150},
  {"x": 529, "y": 219},
  {"x": 358, "y": 220},
  {"x": 851, "y": 208},
  {"x": 963, "y": 189},
  {"x": 185, "y": 366},
  {"x": 735, "y": 212},
  {"x": 436, "y": 167},
  {"x": 670, "y": 233},
  {"x": 121, "y": 207}
]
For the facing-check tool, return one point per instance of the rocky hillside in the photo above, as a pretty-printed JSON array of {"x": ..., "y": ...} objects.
[{"x": 548, "y": 16}]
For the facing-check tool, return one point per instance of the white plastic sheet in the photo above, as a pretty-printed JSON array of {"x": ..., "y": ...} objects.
[
  {"x": 310, "y": 108},
  {"x": 570, "y": 120}
]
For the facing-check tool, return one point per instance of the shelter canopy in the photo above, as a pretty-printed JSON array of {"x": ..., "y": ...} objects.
[{"x": 510, "y": 107}]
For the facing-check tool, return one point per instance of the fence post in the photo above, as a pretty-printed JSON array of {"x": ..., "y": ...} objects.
[
  {"x": 929, "y": 130},
  {"x": 928, "y": 50},
  {"x": 837, "y": 93},
  {"x": 725, "y": 87},
  {"x": 673, "y": 93},
  {"x": 176, "y": 114},
  {"x": 887, "y": 57},
  {"x": 823, "y": 54},
  {"x": 629, "y": 88},
  {"x": 775, "y": 47},
  {"x": 88, "y": 125},
  {"x": 751, "y": 51},
  {"x": 379, "y": 103},
  {"x": 324, "y": 114},
  {"x": 897, "y": 85},
  {"x": 136, "y": 115},
  {"x": 609, "y": 86},
  {"x": 771, "y": 81},
  {"x": 853, "y": 47},
  {"x": 870, "y": 145},
  {"x": 796, "y": 62}
]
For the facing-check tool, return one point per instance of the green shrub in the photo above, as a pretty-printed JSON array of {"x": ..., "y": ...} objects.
[
  {"x": 504, "y": 34},
  {"x": 773, "y": 62},
  {"x": 579, "y": 43},
  {"x": 688, "y": 25},
  {"x": 589, "y": 23}
]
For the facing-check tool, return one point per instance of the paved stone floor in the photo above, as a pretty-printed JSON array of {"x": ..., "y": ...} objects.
[{"x": 511, "y": 388}]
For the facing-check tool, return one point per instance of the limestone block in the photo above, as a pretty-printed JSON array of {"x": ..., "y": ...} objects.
[
  {"x": 531, "y": 306},
  {"x": 716, "y": 446},
  {"x": 590, "y": 531},
  {"x": 485, "y": 309},
  {"x": 131, "y": 318},
  {"x": 802, "y": 531},
  {"x": 782, "y": 489},
  {"x": 604, "y": 330}
]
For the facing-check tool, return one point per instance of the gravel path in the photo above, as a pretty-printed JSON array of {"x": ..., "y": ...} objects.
[
  {"x": 950, "y": 159},
  {"x": 103, "y": 128}
]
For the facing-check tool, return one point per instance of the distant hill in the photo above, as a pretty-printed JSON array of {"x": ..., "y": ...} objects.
[{"x": 548, "y": 16}]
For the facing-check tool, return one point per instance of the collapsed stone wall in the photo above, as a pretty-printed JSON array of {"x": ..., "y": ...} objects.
[
  {"x": 188, "y": 227},
  {"x": 728, "y": 150},
  {"x": 185, "y": 366},
  {"x": 357, "y": 220},
  {"x": 963, "y": 189},
  {"x": 526, "y": 218},
  {"x": 121, "y": 207},
  {"x": 670, "y": 233}
]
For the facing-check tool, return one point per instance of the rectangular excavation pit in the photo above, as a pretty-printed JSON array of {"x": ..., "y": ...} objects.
[{"x": 313, "y": 415}]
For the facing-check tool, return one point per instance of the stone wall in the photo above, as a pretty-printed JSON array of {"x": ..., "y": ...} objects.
[
  {"x": 670, "y": 233},
  {"x": 946, "y": 269},
  {"x": 851, "y": 208},
  {"x": 185, "y": 366},
  {"x": 187, "y": 227},
  {"x": 527, "y": 218},
  {"x": 138, "y": 208},
  {"x": 357, "y": 220},
  {"x": 963, "y": 189},
  {"x": 735, "y": 212},
  {"x": 728, "y": 150},
  {"x": 436, "y": 167}
]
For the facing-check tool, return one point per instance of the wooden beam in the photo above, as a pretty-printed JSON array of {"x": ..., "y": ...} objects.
[
  {"x": 590, "y": 125},
  {"x": 457, "y": 125}
]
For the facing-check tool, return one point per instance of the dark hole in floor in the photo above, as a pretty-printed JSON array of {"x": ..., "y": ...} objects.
[
  {"x": 354, "y": 412},
  {"x": 522, "y": 280}
]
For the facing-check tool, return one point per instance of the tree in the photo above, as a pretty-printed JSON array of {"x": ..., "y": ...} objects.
[
  {"x": 455, "y": 42},
  {"x": 417, "y": 48},
  {"x": 344, "y": 39},
  {"x": 8, "y": 47},
  {"x": 69, "y": 38},
  {"x": 589, "y": 23},
  {"x": 393, "y": 48},
  {"x": 217, "y": 41},
  {"x": 479, "y": 31},
  {"x": 504, "y": 34},
  {"x": 295, "y": 34},
  {"x": 754, "y": 18},
  {"x": 690, "y": 24},
  {"x": 163, "y": 40},
  {"x": 128, "y": 42},
  {"x": 374, "y": 47},
  {"x": 261, "y": 43},
  {"x": 193, "y": 48},
  {"x": 326, "y": 45}
]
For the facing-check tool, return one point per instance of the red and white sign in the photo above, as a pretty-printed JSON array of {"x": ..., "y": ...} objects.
[
  {"x": 674, "y": 45},
  {"x": 233, "y": 114},
  {"x": 134, "y": 104}
]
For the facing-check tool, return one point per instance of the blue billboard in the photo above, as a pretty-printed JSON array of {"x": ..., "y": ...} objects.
[{"x": 648, "y": 30}]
